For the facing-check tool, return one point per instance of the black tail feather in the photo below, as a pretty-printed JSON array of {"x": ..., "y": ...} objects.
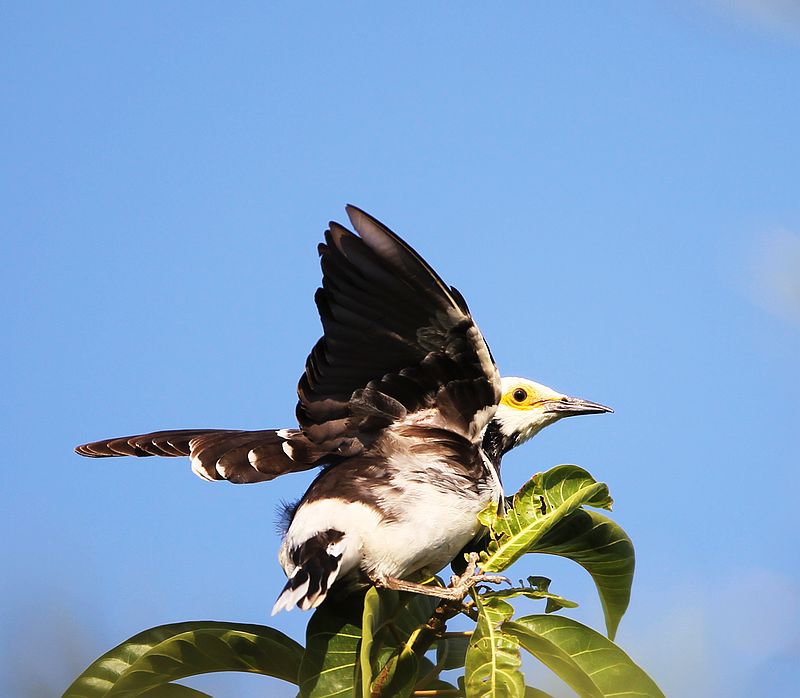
[{"x": 317, "y": 564}]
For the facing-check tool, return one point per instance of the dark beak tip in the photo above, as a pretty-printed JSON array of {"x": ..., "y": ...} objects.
[
  {"x": 579, "y": 406},
  {"x": 605, "y": 408}
]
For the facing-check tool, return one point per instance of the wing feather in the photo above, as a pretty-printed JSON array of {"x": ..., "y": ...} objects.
[
  {"x": 399, "y": 347},
  {"x": 397, "y": 342}
]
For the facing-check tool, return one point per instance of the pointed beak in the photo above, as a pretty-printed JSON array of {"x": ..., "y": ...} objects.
[{"x": 573, "y": 406}]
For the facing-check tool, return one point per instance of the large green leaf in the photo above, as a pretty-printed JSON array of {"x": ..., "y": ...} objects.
[
  {"x": 562, "y": 482},
  {"x": 412, "y": 612},
  {"x": 392, "y": 621},
  {"x": 586, "y": 660},
  {"x": 493, "y": 657},
  {"x": 429, "y": 679},
  {"x": 336, "y": 659},
  {"x": 387, "y": 665},
  {"x": 170, "y": 652},
  {"x": 542, "y": 502},
  {"x": 371, "y": 619},
  {"x": 601, "y": 547},
  {"x": 398, "y": 676},
  {"x": 173, "y": 690},
  {"x": 330, "y": 663},
  {"x": 451, "y": 652},
  {"x": 531, "y": 692}
]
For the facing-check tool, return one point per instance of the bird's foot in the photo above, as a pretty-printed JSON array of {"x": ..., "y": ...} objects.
[
  {"x": 458, "y": 589},
  {"x": 469, "y": 579}
]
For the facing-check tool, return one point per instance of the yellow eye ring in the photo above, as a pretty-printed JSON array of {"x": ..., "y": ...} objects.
[{"x": 520, "y": 395}]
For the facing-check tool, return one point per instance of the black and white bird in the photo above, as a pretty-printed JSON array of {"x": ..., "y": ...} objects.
[{"x": 402, "y": 405}]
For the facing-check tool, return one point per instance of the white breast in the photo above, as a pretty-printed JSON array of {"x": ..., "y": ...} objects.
[
  {"x": 425, "y": 519},
  {"x": 434, "y": 526}
]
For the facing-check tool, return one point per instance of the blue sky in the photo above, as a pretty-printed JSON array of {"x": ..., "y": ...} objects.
[{"x": 613, "y": 187}]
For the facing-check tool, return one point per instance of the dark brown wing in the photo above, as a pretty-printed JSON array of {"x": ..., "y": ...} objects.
[
  {"x": 219, "y": 454},
  {"x": 399, "y": 345}
]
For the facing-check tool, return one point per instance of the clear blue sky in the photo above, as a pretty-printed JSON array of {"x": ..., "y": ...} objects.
[{"x": 614, "y": 187}]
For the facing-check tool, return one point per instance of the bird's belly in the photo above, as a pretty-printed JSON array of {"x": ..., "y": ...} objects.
[
  {"x": 417, "y": 519},
  {"x": 428, "y": 543},
  {"x": 424, "y": 528},
  {"x": 428, "y": 528}
]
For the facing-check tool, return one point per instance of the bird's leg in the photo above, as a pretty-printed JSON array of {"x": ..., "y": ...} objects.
[
  {"x": 459, "y": 586},
  {"x": 426, "y": 589}
]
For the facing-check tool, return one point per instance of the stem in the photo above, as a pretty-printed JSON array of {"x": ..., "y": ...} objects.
[{"x": 413, "y": 637}]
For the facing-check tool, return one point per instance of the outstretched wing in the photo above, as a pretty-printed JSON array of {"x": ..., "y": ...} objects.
[
  {"x": 399, "y": 346},
  {"x": 219, "y": 454}
]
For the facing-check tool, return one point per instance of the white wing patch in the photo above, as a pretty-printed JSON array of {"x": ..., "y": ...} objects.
[{"x": 199, "y": 470}]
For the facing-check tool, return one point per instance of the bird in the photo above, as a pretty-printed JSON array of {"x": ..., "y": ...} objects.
[{"x": 402, "y": 407}]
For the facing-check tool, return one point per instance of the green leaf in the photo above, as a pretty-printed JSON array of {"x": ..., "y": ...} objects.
[
  {"x": 398, "y": 676},
  {"x": 562, "y": 482},
  {"x": 604, "y": 550},
  {"x": 531, "y": 692},
  {"x": 330, "y": 663},
  {"x": 542, "y": 502},
  {"x": 586, "y": 660},
  {"x": 539, "y": 588},
  {"x": 413, "y": 611},
  {"x": 429, "y": 678},
  {"x": 169, "y": 652},
  {"x": 493, "y": 658},
  {"x": 395, "y": 624},
  {"x": 370, "y": 620},
  {"x": 173, "y": 690},
  {"x": 451, "y": 652}
]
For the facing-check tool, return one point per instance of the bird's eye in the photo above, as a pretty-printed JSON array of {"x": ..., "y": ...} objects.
[{"x": 520, "y": 395}]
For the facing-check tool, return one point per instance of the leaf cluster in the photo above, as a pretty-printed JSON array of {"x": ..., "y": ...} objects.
[{"x": 387, "y": 643}]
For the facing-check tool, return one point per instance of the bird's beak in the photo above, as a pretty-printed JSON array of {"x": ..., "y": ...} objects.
[{"x": 573, "y": 406}]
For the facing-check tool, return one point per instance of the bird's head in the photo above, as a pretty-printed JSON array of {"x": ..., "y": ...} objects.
[{"x": 527, "y": 407}]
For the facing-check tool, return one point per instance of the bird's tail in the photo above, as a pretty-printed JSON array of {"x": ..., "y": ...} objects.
[
  {"x": 220, "y": 454},
  {"x": 317, "y": 563}
]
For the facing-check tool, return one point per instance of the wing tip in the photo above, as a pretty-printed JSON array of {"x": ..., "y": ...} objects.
[{"x": 358, "y": 215}]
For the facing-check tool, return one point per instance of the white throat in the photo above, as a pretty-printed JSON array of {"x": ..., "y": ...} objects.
[{"x": 524, "y": 424}]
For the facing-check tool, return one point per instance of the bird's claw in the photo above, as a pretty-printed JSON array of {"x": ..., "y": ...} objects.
[{"x": 469, "y": 579}]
